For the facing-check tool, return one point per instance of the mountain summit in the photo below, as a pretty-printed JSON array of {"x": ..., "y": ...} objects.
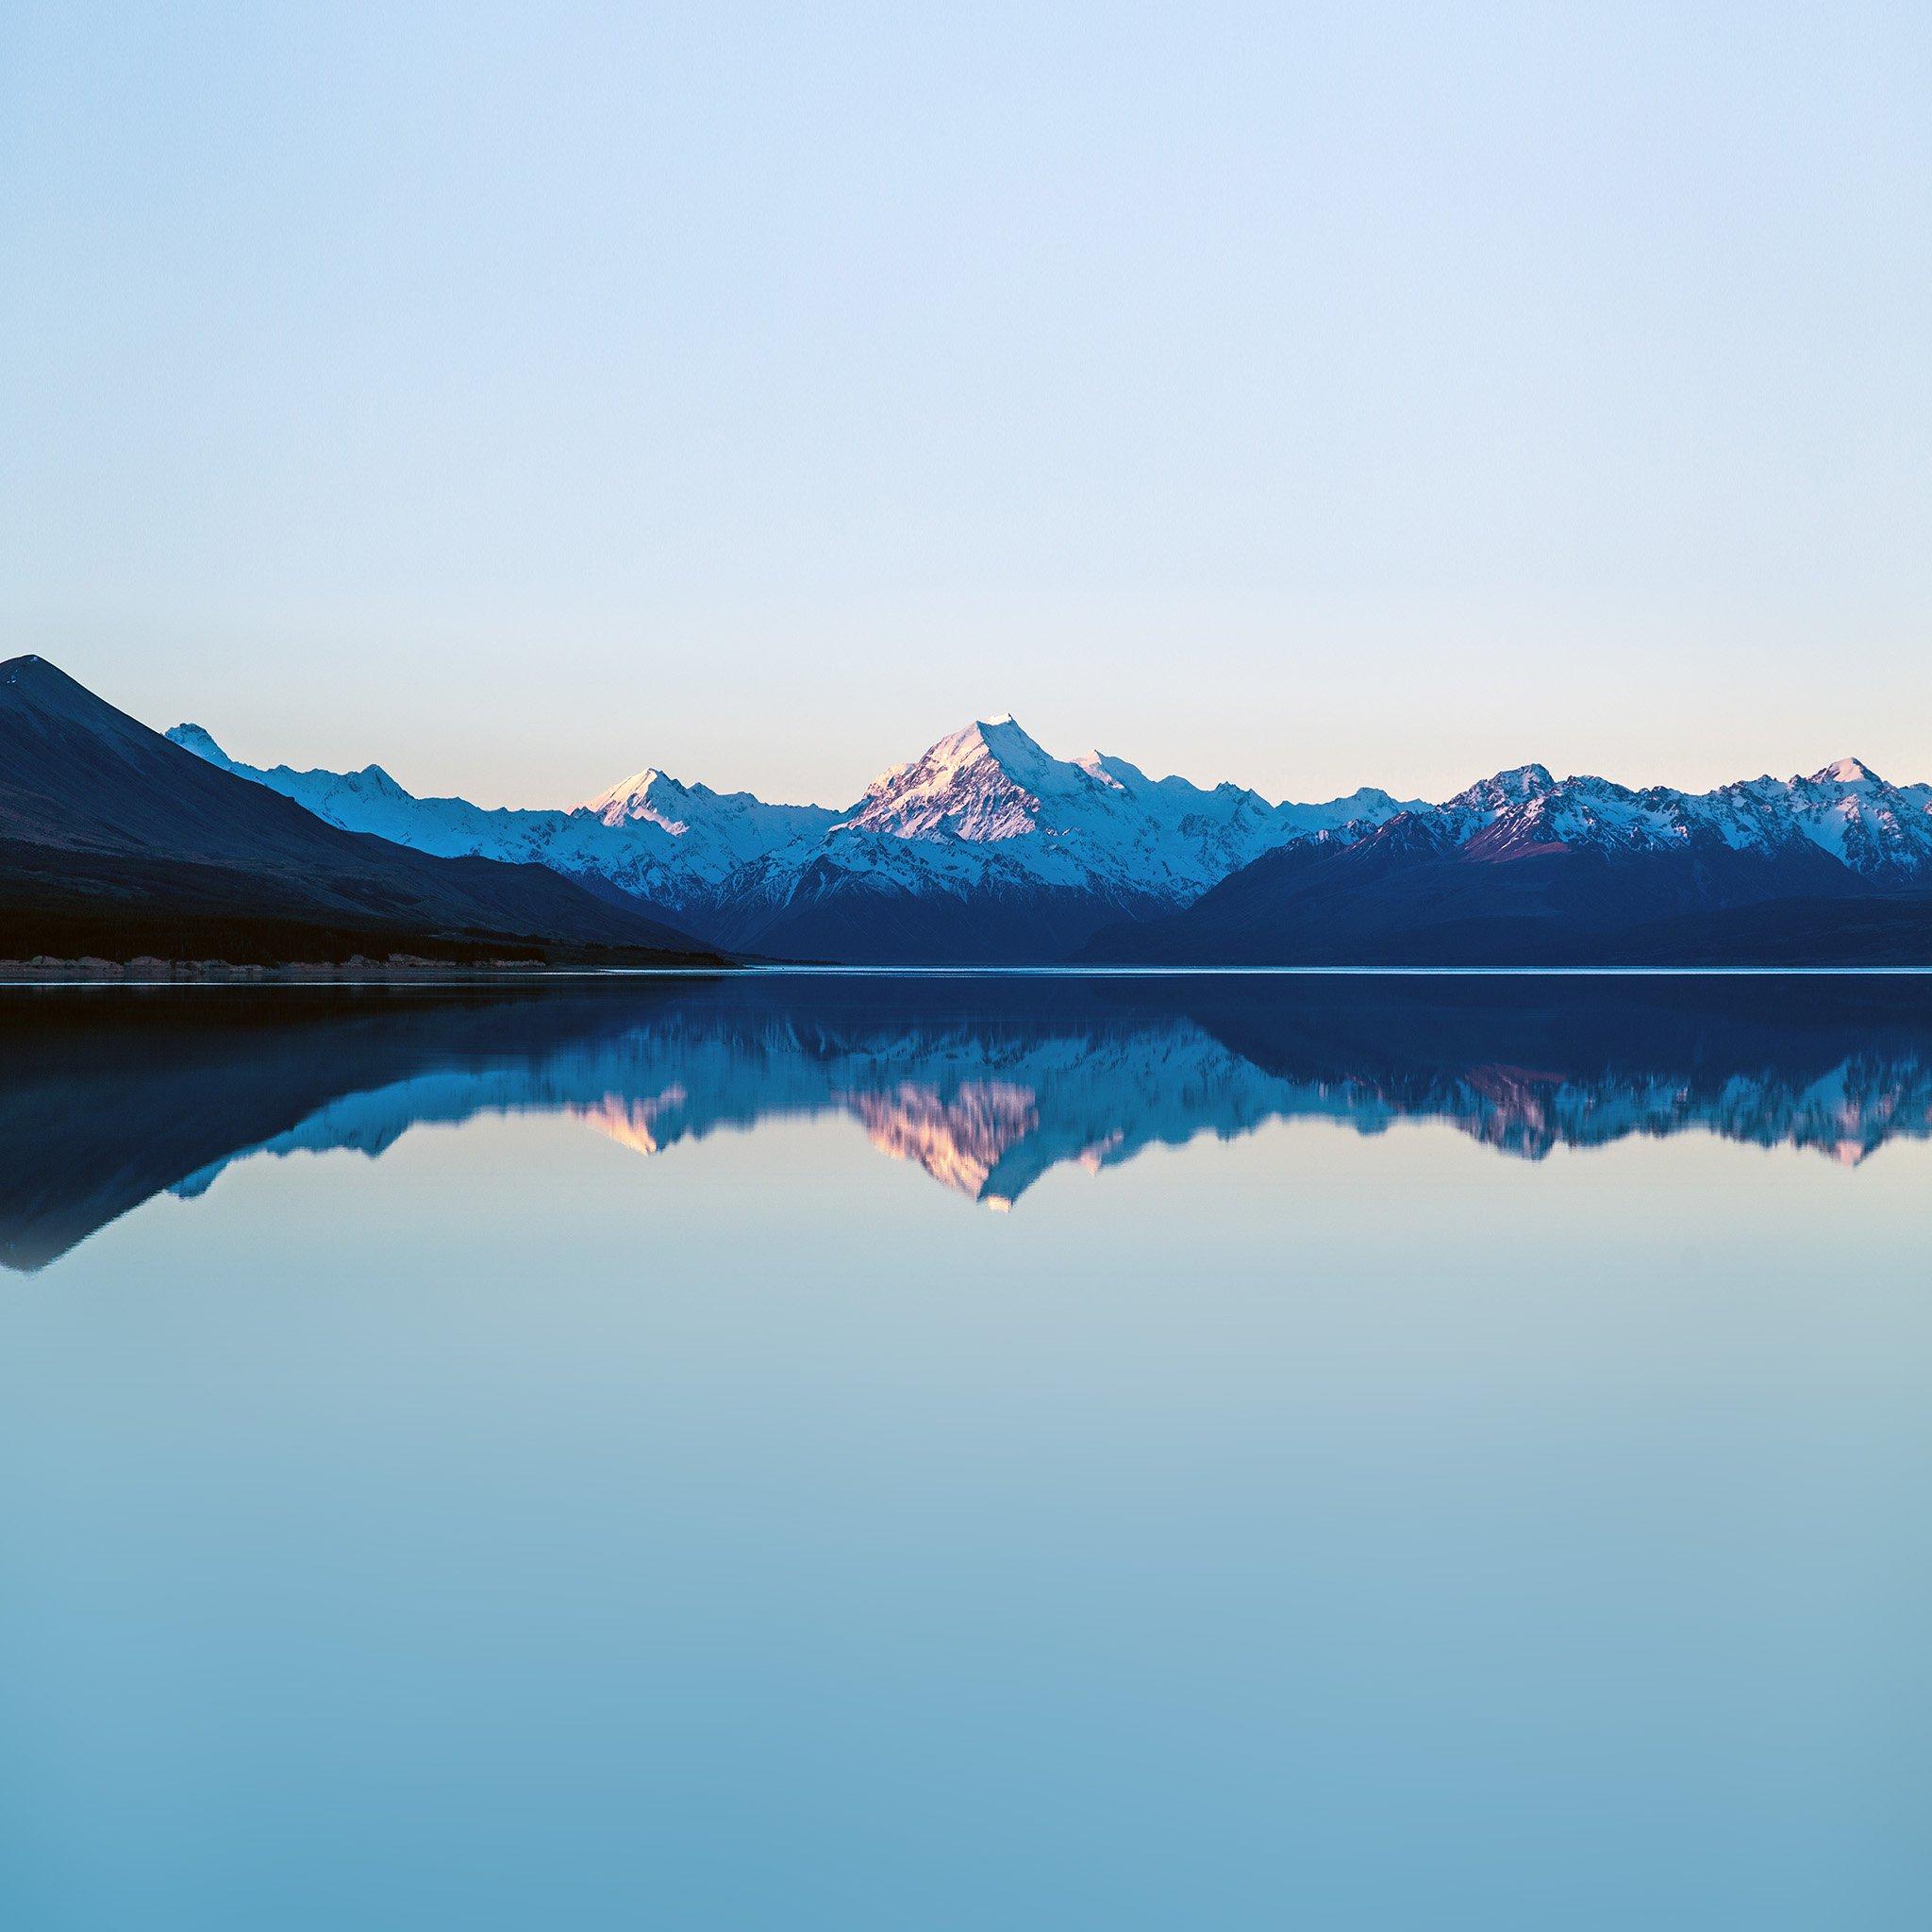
[{"x": 984, "y": 782}]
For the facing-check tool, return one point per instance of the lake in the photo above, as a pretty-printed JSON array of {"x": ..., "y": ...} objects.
[{"x": 851, "y": 1451}]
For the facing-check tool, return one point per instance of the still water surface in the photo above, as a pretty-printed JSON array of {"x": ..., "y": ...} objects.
[{"x": 993, "y": 1453}]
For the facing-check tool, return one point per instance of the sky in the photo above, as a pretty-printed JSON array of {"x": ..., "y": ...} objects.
[{"x": 1309, "y": 397}]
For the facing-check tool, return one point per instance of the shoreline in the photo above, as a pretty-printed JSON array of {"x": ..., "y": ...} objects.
[
  {"x": 44, "y": 970},
  {"x": 148, "y": 971}
]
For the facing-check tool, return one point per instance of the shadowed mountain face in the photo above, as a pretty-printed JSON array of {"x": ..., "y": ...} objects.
[
  {"x": 1408, "y": 896},
  {"x": 985, "y": 1084}
]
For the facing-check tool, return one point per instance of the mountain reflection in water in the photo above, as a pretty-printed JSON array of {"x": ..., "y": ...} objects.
[{"x": 110, "y": 1096}]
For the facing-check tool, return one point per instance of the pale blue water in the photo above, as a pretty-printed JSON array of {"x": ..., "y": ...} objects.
[{"x": 1399, "y": 1456}]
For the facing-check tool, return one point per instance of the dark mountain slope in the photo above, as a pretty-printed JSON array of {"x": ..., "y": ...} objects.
[
  {"x": 1406, "y": 896},
  {"x": 833, "y": 914},
  {"x": 116, "y": 843}
]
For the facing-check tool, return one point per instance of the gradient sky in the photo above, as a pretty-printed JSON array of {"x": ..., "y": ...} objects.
[{"x": 1304, "y": 395}]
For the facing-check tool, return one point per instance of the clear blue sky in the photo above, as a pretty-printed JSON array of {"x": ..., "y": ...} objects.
[{"x": 1304, "y": 395}]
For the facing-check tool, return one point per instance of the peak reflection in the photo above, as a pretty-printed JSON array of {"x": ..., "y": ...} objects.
[{"x": 985, "y": 1084}]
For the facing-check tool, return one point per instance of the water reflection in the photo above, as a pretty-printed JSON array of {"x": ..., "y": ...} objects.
[{"x": 109, "y": 1097}]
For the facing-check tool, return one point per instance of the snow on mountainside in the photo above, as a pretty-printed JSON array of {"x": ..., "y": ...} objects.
[
  {"x": 1524, "y": 868},
  {"x": 1883, "y": 832},
  {"x": 991, "y": 792},
  {"x": 985, "y": 811},
  {"x": 650, "y": 836},
  {"x": 715, "y": 832},
  {"x": 988, "y": 846}
]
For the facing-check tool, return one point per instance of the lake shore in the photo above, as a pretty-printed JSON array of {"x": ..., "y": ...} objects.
[{"x": 156, "y": 971}]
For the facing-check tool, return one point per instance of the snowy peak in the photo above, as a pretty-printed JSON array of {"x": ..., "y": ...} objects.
[
  {"x": 647, "y": 795},
  {"x": 712, "y": 833},
  {"x": 1847, "y": 771},
  {"x": 374, "y": 779},
  {"x": 982, "y": 783},
  {"x": 201, "y": 742},
  {"x": 371, "y": 783},
  {"x": 1518, "y": 786},
  {"x": 1844, "y": 810},
  {"x": 1001, "y": 741},
  {"x": 637, "y": 785},
  {"x": 1115, "y": 772},
  {"x": 989, "y": 806},
  {"x": 1357, "y": 816}
]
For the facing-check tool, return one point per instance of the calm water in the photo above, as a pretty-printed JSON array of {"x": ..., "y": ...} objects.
[{"x": 967, "y": 1452}]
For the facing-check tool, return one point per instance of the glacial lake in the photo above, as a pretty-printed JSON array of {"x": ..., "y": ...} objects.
[{"x": 1001, "y": 1452}]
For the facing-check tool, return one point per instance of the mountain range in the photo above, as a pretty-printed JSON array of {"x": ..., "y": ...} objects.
[
  {"x": 989, "y": 849},
  {"x": 986, "y": 849},
  {"x": 983, "y": 849}
]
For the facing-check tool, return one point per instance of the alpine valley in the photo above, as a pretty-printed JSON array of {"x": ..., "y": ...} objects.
[{"x": 987, "y": 849}]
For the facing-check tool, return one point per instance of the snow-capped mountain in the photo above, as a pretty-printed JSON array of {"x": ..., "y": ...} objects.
[
  {"x": 1092, "y": 817},
  {"x": 1877, "y": 829},
  {"x": 650, "y": 836},
  {"x": 986, "y": 844},
  {"x": 988, "y": 847},
  {"x": 1524, "y": 868}
]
